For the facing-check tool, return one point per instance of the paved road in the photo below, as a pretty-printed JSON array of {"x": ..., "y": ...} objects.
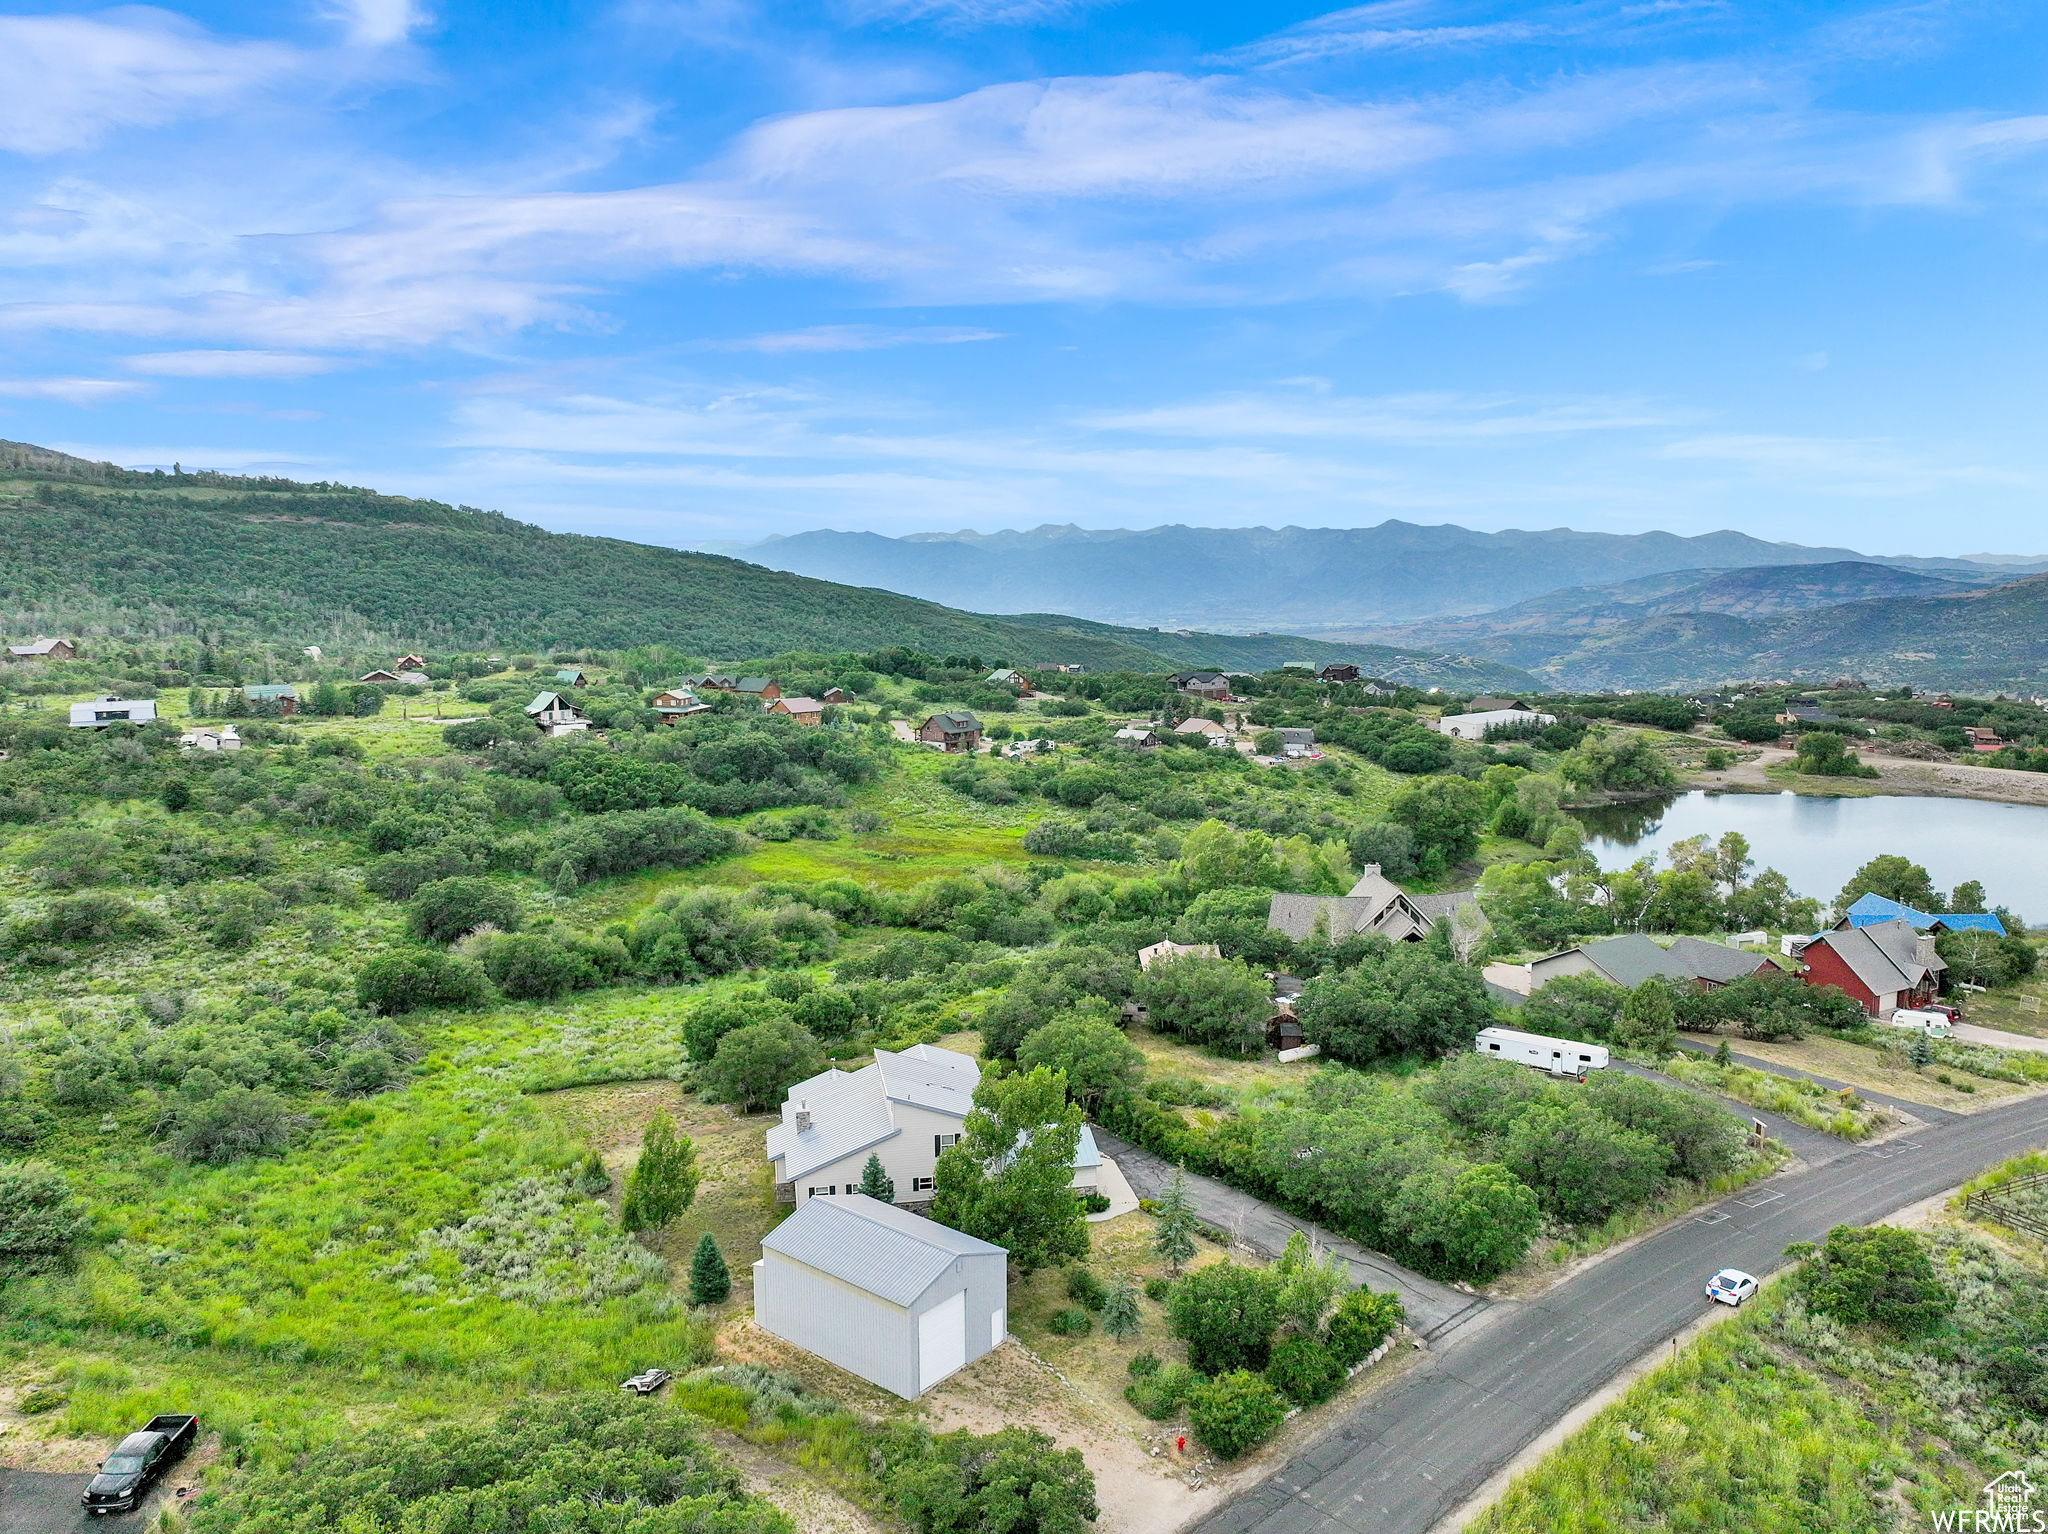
[
  {"x": 1417, "y": 1449},
  {"x": 1433, "y": 1308},
  {"x": 40, "y": 1502}
]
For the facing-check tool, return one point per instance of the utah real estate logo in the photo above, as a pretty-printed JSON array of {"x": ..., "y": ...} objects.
[{"x": 2008, "y": 1509}]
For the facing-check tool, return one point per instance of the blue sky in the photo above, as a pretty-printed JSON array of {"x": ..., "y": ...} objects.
[{"x": 714, "y": 269}]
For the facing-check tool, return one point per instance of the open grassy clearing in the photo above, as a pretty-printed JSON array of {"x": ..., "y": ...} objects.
[
  {"x": 1843, "y": 1114},
  {"x": 1880, "y": 1070},
  {"x": 2019, "y": 1008},
  {"x": 736, "y": 1197}
]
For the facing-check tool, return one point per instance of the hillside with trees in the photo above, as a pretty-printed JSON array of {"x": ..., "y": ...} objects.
[{"x": 97, "y": 549}]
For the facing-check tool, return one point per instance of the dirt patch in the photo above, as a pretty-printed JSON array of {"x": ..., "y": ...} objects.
[
  {"x": 1895, "y": 775},
  {"x": 812, "y": 1508},
  {"x": 1141, "y": 1487}
]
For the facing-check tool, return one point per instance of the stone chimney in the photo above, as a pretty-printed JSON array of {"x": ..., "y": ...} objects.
[
  {"x": 1923, "y": 950},
  {"x": 803, "y": 1117},
  {"x": 1370, "y": 871}
]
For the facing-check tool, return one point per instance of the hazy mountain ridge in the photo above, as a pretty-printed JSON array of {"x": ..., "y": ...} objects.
[
  {"x": 1314, "y": 579},
  {"x": 94, "y": 548}
]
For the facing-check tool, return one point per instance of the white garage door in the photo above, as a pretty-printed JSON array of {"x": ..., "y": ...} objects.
[{"x": 941, "y": 1340}]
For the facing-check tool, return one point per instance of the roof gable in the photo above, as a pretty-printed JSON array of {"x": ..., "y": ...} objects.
[{"x": 889, "y": 1252}]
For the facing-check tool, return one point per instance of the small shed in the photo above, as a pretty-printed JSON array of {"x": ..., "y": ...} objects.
[{"x": 897, "y": 1299}]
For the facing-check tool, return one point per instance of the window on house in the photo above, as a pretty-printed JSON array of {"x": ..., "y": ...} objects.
[
  {"x": 940, "y": 1142},
  {"x": 922, "y": 1184},
  {"x": 826, "y": 1188}
]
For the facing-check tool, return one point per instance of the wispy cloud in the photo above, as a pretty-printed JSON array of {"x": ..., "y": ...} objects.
[
  {"x": 1414, "y": 26},
  {"x": 230, "y": 364},
  {"x": 1310, "y": 412},
  {"x": 67, "y": 80},
  {"x": 71, "y": 391},
  {"x": 378, "y": 23},
  {"x": 852, "y": 338},
  {"x": 1862, "y": 467},
  {"x": 967, "y": 12}
]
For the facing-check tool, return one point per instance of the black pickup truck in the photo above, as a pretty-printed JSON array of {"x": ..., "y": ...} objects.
[{"x": 127, "y": 1474}]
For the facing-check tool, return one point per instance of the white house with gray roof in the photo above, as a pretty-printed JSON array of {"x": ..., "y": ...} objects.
[
  {"x": 905, "y": 1108},
  {"x": 888, "y": 1295},
  {"x": 108, "y": 709}
]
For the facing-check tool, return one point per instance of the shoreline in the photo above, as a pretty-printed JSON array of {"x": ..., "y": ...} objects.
[{"x": 1900, "y": 777}]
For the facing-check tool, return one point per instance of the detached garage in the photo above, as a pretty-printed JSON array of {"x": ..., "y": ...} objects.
[{"x": 883, "y": 1293}]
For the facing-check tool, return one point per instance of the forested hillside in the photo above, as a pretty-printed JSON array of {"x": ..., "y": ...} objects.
[{"x": 96, "y": 548}]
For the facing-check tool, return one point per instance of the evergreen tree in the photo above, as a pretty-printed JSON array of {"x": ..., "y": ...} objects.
[
  {"x": 1175, "y": 1238},
  {"x": 663, "y": 1180},
  {"x": 1920, "y": 1050},
  {"x": 1120, "y": 1310},
  {"x": 710, "y": 1280},
  {"x": 876, "y": 1183},
  {"x": 592, "y": 1178}
]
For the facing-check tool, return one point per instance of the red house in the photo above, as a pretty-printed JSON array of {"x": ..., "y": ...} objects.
[{"x": 1885, "y": 966}]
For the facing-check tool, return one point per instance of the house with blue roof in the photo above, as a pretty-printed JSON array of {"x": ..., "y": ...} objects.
[{"x": 1869, "y": 910}]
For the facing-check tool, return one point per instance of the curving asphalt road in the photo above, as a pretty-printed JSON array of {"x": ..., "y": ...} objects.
[{"x": 1413, "y": 1452}]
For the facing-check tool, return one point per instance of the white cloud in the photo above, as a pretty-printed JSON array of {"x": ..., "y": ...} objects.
[
  {"x": 1155, "y": 187},
  {"x": 71, "y": 391},
  {"x": 230, "y": 364},
  {"x": 378, "y": 23},
  {"x": 1418, "y": 419},
  {"x": 852, "y": 338},
  {"x": 67, "y": 80}
]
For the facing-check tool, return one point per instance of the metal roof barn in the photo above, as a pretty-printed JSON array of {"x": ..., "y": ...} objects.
[{"x": 883, "y": 1293}]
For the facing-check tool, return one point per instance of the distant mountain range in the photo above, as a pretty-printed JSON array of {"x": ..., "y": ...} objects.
[
  {"x": 1303, "y": 580},
  {"x": 96, "y": 549},
  {"x": 1577, "y": 610}
]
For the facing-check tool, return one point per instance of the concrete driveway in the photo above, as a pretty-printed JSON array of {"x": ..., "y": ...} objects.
[{"x": 1998, "y": 1038}]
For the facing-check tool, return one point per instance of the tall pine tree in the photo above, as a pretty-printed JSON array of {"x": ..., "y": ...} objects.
[
  {"x": 663, "y": 1181},
  {"x": 1175, "y": 1237},
  {"x": 876, "y": 1183},
  {"x": 710, "y": 1281}
]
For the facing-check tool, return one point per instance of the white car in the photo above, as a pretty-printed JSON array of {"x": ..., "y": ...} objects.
[
  {"x": 1731, "y": 1286},
  {"x": 646, "y": 1384}
]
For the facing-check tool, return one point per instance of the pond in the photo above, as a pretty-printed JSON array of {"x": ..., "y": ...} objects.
[{"x": 1819, "y": 843}]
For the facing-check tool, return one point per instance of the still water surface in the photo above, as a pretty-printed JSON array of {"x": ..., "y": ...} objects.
[{"x": 1819, "y": 843}]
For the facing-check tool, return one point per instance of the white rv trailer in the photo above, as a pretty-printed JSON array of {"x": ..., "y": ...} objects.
[{"x": 1560, "y": 1057}]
